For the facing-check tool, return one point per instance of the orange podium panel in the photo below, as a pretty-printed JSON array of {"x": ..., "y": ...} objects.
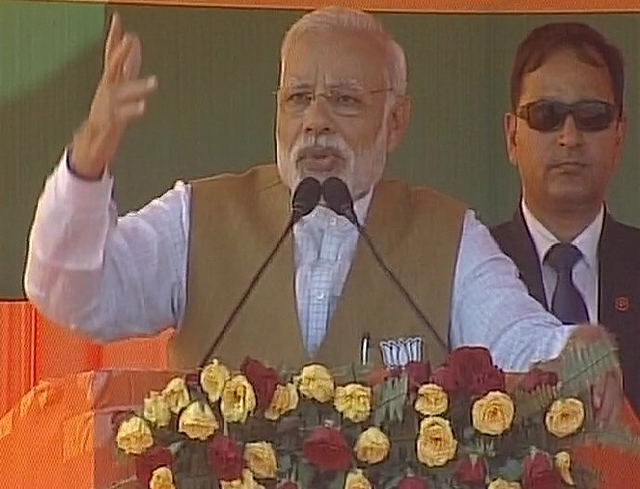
[{"x": 59, "y": 435}]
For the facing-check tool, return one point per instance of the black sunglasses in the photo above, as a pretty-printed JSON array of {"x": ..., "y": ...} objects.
[{"x": 547, "y": 115}]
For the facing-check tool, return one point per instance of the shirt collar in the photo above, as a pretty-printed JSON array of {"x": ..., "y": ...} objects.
[
  {"x": 587, "y": 241},
  {"x": 322, "y": 213}
]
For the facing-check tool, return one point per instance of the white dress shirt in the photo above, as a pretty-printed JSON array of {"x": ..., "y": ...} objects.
[
  {"x": 585, "y": 271},
  {"x": 113, "y": 277}
]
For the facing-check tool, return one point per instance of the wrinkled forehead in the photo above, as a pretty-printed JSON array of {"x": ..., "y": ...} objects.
[{"x": 335, "y": 57}]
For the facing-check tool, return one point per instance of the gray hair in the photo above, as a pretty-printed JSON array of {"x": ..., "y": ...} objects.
[{"x": 344, "y": 18}]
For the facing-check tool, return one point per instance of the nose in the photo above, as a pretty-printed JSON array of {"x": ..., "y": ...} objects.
[
  {"x": 317, "y": 119},
  {"x": 570, "y": 135}
]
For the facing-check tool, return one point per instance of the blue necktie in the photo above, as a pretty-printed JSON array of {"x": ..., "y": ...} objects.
[{"x": 567, "y": 303}]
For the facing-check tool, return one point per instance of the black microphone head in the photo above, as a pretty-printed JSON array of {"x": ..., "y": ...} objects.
[
  {"x": 305, "y": 198},
  {"x": 338, "y": 198}
]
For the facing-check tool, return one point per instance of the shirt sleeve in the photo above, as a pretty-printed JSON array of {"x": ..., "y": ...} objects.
[
  {"x": 105, "y": 276},
  {"x": 491, "y": 306}
]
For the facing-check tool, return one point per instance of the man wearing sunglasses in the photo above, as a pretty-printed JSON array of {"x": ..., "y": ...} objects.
[{"x": 564, "y": 135}]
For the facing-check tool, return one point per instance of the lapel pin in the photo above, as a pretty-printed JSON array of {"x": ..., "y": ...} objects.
[{"x": 622, "y": 303}]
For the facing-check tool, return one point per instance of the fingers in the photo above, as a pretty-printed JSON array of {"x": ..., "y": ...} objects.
[
  {"x": 607, "y": 399},
  {"x": 129, "y": 111},
  {"x": 123, "y": 54},
  {"x": 136, "y": 90},
  {"x": 113, "y": 70},
  {"x": 113, "y": 38},
  {"x": 133, "y": 60}
]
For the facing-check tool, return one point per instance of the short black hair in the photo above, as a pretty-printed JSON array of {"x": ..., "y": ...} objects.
[{"x": 589, "y": 45}]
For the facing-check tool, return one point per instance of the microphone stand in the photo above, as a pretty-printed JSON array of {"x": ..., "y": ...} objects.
[
  {"x": 245, "y": 296},
  {"x": 305, "y": 199},
  {"x": 338, "y": 198}
]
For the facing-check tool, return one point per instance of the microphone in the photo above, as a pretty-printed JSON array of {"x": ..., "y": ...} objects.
[
  {"x": 305, "y": 198},
  {"x": 338, "y": 198}
]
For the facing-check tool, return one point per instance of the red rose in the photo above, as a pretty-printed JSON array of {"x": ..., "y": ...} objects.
[
  {"x": 192, "y": 379},
  {"x": 412, "y": 482},
  {"x": 225, "y": 458},
  {"x": 538, "y": 472},
  {"x": 417, "y": 374},
  {"x": 263, "y": 380},
  {"x": 445, "y": 378},
  {"x": 537, "y": 378},
  {"x": 288, "y": 485},
  {"x": 470, "y": 471},
  {"x": 474, "y": 371},
  {"x": 327, "y": 450},
  {"x": 151, "y": 460}
]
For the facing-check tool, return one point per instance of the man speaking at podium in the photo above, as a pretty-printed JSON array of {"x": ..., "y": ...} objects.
[{"x": 187, "y": 258}]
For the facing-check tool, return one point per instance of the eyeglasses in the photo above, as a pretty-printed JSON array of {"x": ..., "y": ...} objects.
[
  {"x": 342, "y": 101},
  {"x": 547, "y": 115}
]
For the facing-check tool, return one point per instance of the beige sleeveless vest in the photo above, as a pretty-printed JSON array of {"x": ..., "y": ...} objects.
[{"x": 235, "y": 222}]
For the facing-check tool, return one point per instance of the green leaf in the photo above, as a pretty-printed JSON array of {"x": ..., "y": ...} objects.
[
  {"x": 384, "y": 394},
  {"x": 194, "y": 482},
  {"x": 617, "y": 437},
  {"x": 532, "y": 404},
  {"x": 285, "y": 464},
  {"x": 394, "y": 481},
  {"x": 583, "y": 364},
  {"x": 305, "y": 473},
  {"x": 399, "y": 398},
  {"x": 511, "y": 471},
  {"x": 338, "y": 481}
]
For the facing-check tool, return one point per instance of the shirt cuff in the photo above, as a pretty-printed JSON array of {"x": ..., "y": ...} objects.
[{"x": 79, "y": 192}]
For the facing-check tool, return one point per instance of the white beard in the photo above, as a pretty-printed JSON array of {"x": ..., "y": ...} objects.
[{"x": 360, "y": 171}]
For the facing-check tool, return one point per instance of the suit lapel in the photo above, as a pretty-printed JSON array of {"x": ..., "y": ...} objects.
[
  {"x": 615, "y": 287},
  {"x": 523, "y": 252}
]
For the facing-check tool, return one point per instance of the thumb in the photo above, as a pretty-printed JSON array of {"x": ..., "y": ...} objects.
[{"x": 597, "y": 391}]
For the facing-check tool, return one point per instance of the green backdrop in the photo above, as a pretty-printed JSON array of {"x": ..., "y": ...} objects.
[{"x": 217, "y": 70}]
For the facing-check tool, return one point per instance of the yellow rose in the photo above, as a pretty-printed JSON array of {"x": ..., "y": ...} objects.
[
  {"x": 261, "y": 459},
  {"x": 156, "y": 410},
  {"x": 353, "y": 401},
  {"x": 431, "y": 400},
  {"x": 285, "y": 399},
  {"x": 503, "y": 484},
  {"x": 238, "y": 400},
  {"x": 493, "y": 414},
  {"x": 197, "y": 421},
  {"x": 356, "y": 480},
  {"x": 213, "y": 378},
  {"x": 563, "y": 464},
  {"x": 315, "y": 382},
  {"x": 564, "y": 417},
  {"x": 435, "y": 445},
  {"x": 161, "y": 478},
  {"x": 176, "y": 394},
  {"x": 372, "y": 446},
  {"x": 134, "y": 436}
]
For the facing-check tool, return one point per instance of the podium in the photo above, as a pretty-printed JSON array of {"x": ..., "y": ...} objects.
[{"x": 59, "y": 435}]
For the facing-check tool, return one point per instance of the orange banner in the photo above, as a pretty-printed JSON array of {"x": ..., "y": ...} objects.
[{"x": 424, "y": 6}]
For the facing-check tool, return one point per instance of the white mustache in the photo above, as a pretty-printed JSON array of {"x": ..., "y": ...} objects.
[{"x": 307, "y": 142}]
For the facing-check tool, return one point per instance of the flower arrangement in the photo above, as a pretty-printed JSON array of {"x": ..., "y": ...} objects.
[{"x": 456, "y": 426}]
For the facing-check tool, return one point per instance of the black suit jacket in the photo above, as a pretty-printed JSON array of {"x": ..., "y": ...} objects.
[{"x": 619, "y": 304}]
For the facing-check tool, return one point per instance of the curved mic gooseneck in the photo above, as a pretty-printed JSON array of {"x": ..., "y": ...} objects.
[
  {"x": 305, "y": 199},
  {"x": 338, "y": 198}
]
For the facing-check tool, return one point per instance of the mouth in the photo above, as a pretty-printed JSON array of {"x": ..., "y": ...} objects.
[
  {"x": 568, "y": 166},
  {"x": 320, "y": 160}
]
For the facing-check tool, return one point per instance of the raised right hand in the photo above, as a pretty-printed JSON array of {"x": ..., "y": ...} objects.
[{"x": 120, "y": 97}]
